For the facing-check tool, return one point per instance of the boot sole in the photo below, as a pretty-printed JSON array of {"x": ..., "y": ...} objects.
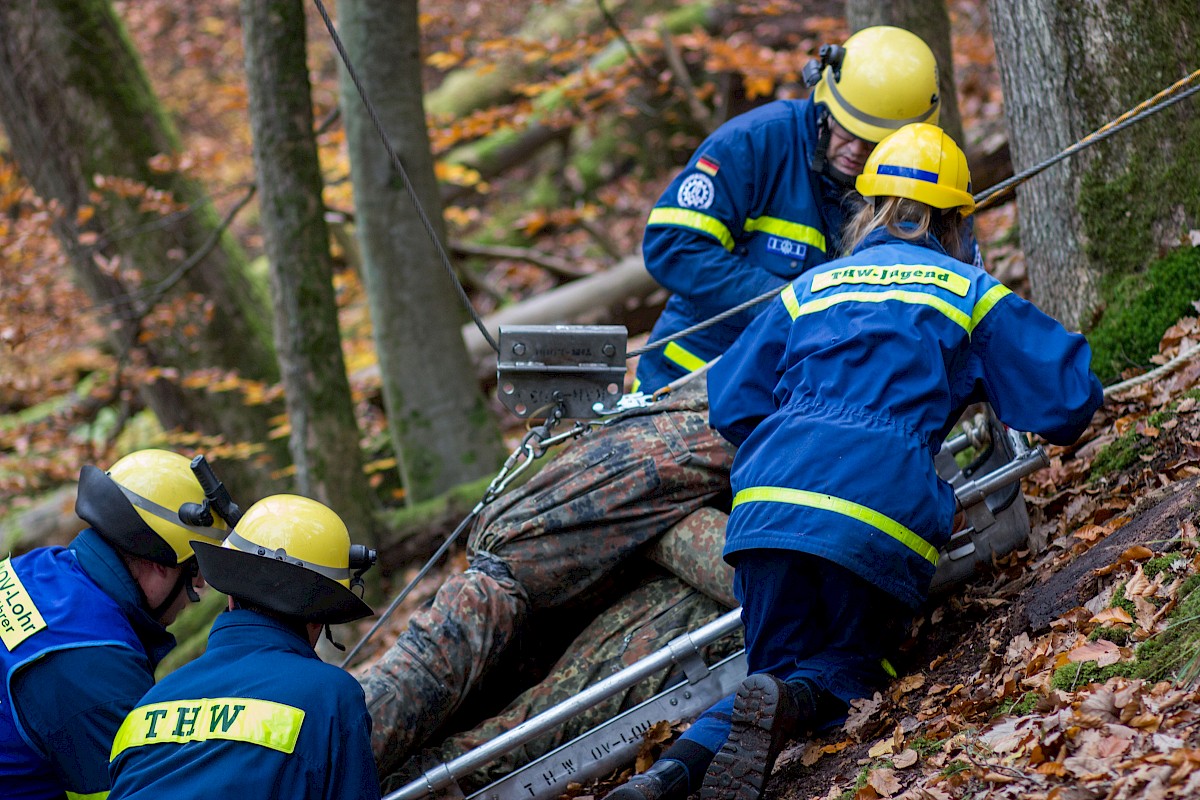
[{"x": 741, "y": 768}]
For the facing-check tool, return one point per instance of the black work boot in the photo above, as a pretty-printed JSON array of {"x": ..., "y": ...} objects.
[
  {"x": 765, "y": 712},
  {"x": 665, "y": 780}
]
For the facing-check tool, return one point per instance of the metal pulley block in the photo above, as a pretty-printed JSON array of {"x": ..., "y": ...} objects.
[
  {"x": 577, "y": 367},
  {"x": 988, "y": 490}
]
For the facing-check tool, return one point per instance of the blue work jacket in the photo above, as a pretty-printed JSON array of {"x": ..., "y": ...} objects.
[
  {"x": 258, "y": 715},
  {"x": 77, "y": 651},
  {"x": 745, "y": 216},
  {"x": 843, "y": 389}
]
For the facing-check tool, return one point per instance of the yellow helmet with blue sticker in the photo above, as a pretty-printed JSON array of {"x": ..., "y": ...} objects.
[{"x": 920, "y": 162}]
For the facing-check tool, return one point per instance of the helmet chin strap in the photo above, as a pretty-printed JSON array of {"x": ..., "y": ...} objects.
[
  {"x": 188, "y": 571},
  {"x": 329, "y": 636}
]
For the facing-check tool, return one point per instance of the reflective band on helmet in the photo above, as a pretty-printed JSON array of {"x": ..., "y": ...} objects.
[
  {"x": 683, "y": 218},
  {"x": 790, "y": 230},
  {"x": 907, "y": 172},
  {"x": 163, "y": 513},
  {"x": 246, "y": 546},
  {"x": 871, "y": 119},
  {"x": 827, "y": 502},
  {"x": 234, "y": 719},
  {"x": 683, "y": 357}
]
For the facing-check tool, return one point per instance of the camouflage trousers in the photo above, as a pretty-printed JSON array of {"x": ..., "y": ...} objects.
[
  {"x": 636, "y": 626},
  {"x": 559, "y": 541}
]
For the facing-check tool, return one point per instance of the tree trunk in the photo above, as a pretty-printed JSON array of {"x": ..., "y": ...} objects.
[
  {"x": 79, "y": 112},
  {"x": 929, "y": 20},
  {"x": 439, "y": 424},
  {"x": 1067, "y": 69},
  {"x": 324, "y": 438}
]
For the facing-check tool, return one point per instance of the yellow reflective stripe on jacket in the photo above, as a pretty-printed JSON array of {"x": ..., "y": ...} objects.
[
  {"x": 827, "y": 502},
  {"x": 19, "y": 617},
  {"x": 789, "y": 230},
  {"x": 956, "y": 316},
  {"x": 788, "y": 295},
  {"x": 694, "y": 220},
  {"x": 237, "y": 719},
  {"x": 988, "y": 302},
  {"x": 683, "y": 357},
  {"x": 92, "y": 796}
]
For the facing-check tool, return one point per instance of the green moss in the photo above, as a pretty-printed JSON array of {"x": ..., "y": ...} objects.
[
  {"x": 1140, "y": 309},
  {"x": 1129, "y": 447},
  {"x": 1156, "y": 565},
  {"x": 1120, "y": 454},
  {"x": 1018, "y": 706},
  {"x": 1118, "y": 636},
  {"x": 1174, "y": 653},
  {"x": 926, "y": 746},
  {"x": 1142, "y": 182},
  {"x": 1070, "y": 677},
  {"x": 955, "y": 767},
  {"x": 1159, "y": 417},
  {"x": 1121, "y": 601}
]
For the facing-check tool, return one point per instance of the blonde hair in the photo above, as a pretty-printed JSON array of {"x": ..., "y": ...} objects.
[{"x": 910, "y": 220}]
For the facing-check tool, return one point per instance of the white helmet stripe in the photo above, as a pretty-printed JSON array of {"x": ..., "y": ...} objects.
[
  {"x": 163, "y": 513},
  {"x": 244, "y": 545},
  {"x": 871, "y": 119}
]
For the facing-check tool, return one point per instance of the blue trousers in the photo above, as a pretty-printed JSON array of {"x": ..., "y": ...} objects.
[{"x": 808, "y": 619}]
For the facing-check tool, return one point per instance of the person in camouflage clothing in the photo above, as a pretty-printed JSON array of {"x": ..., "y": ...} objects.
[
  {"x": 639, "y": 624},
  {"x": 568, "y": 538}
]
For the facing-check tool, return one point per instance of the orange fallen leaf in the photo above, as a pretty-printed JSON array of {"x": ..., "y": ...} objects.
[
  {"x": 1102, "y": 651},
  {"x": 1113, "y": 615},
  {"x": 884, "y": 781}
]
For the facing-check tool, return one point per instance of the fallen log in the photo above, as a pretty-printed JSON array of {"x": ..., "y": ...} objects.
[{"x": 49, "y": 521}]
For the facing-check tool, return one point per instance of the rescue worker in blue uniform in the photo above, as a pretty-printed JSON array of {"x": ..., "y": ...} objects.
[
  {"x": 259, "y": 712},
  {"x": 838, "y": 396},
  {"x": 82, "y": 627},
  {"x": 764, "y": 198}
]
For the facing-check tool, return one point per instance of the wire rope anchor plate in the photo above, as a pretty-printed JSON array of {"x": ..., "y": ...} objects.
[{"x": 579, "y": 366}]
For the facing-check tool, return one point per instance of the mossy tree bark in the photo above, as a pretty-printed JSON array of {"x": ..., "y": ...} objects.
[
  {"x": 439, "y": 424},
  {"x": 930, "y": 20},
  {"x": 324, "y": 438},
  {"x": 1067, "y": 69},
  {"x": 76, "y": 104}
]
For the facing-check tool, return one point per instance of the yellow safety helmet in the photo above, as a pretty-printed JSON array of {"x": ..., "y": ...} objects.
[
  {"x": 882, "y": 79},
  {"x": 922, "y": 163},
  {"x": 291, "y": 555},
  {"x": 135, "y": 505}
]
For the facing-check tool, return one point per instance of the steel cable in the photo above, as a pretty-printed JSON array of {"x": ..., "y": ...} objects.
[{"x": 408, "y": 186}]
